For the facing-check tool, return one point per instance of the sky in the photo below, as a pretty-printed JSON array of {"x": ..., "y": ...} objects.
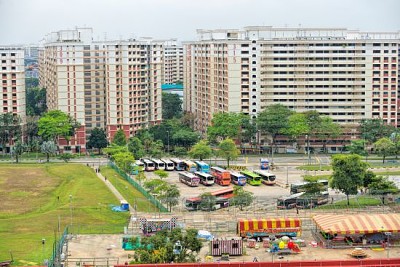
[{"x": 28, "y": 21}]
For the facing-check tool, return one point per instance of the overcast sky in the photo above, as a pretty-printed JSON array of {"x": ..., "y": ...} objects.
[{"x": 27, "y": 21}]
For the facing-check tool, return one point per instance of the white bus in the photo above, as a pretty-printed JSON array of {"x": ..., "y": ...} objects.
[
  {"x": 205, "y": 178},
  {"x": 159, "y": 164},
  {"x": 148, "y": 165},
  {"x": 238, "y": 178},
  {"x": 189, "y": 178},
  {"x": 178, "y": 164},
  {"x": 266, "y": 177},
  {"x": 169, "y": 165}
]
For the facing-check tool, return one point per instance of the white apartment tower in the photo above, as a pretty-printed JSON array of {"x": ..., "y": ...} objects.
[
  {"x": 173, "y": 62},
  {"x": 111, "y": 85},
  {"x": 347, "y": 75},
  {"x": 12, "y": 75}
]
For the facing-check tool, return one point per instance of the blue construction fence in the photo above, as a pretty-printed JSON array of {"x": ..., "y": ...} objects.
[{"x": 136, "y": 185}]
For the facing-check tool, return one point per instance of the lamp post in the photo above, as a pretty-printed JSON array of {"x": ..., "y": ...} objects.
[
  {"x": 43, "y": 243},
  {"x": 70, "y": 207},
  {"x": 388, "y": 234},
  {"x": 308, "y": 149},
  {"x": 287, "y": 175},
  {"x": 168, "y": 141}
]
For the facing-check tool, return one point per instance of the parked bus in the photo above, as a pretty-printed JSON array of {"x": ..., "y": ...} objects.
[
  {"x": 252, "y": 178},
  {"x": 189, "y": 178},
  {"x": 266, "y": 177},
  {"x": 222, "y": 176},
  {"x": 159, "y": 164},
  {"x": 264, "y": 164},
  {"x": 190, "y": 166},
  {"x": 202, "y": 166},
  {"x": 301, "y": 187},
  {"x": 303, "y": 201},
  {"x": 238, "y": 178},
  {"x": 194, "y": 203},
  {"x": 205, "y": 178},
  {"x": 169, "y": 165},
  {"x": 179, "y": 165},
  {"x": 148, "y": 165}
]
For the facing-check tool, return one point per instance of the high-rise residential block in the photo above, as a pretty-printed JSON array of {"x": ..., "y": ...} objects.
[
  {"x": 347, "y": 75},
  {"x": 12, "y": 77},
  {"x": 173, "y": 62},
  {"x": 111, "y": 84}
]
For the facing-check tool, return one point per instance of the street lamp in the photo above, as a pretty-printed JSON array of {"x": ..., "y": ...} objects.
[
  {"x": 308, "y": 149},
  {"x": 388, "y": 234},
  {"x": 168, "y": 141},
  {"x": 43, "y": 243},
  {"x": 70, "y": 207}
]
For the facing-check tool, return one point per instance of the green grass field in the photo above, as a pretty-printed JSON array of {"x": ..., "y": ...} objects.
[
  {"x": 130, "y": 194},
  {"x": 358, "y": 202},
  {"x": 36, "y": 198}
]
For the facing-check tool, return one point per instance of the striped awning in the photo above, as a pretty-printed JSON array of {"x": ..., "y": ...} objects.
[
  {"x": 275, "y": 223},
  {"x": 358, "y": 224}
]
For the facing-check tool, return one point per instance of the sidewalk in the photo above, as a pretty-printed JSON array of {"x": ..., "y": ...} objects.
[{"x": 112, "y": 188}]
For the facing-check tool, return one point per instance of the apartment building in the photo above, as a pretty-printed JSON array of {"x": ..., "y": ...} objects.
[
  {"x": 173, "y": 62},
  {"x": 111, "y": 84},
  {"x": 347, "y": 75},
  {"x": 12, "y": 75}
]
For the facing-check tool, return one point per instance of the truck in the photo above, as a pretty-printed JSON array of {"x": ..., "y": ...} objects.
[{"x": 261, "y": 228}]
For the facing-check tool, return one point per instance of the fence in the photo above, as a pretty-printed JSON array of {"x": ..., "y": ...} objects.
[
  {"x": 149, "y": 197},
  {"x": 55, "y": 259}
]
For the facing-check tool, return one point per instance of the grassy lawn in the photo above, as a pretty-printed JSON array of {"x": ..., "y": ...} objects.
[
  {"x": 316, "y": 167},
  {"x": 36, "y": 197},
  {"x": 359, "y": 202},
  {"x": 127, "y": 190}
]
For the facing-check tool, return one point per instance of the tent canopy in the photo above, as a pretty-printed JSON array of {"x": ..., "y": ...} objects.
[{"x": 358, "y": 224}]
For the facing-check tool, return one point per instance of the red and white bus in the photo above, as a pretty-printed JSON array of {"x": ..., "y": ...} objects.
[
  {"x": 222, "y": 195},
  {"x": 222, "y": 176},
  {"x": 205, "y": 178},
  {"x": 189, "y": 178}
]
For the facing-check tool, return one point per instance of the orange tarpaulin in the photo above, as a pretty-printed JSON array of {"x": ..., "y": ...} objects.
[{"x": 358, "y": 224}]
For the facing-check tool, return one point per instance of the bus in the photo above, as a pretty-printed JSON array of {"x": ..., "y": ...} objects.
[
  {"x": 264, "y": 164},
  {"x": 238, "y": 178},
  {"x": 179, "y": 165},
  {"x": 288, "y": 202},
  {"x": 169, "y": 165},
  {"x": 267, "y": 178},
  {"x": 159, "y": 164},
  {"x": 189, "y": 179},
  {"x": 252, "y": 178},
  {"x": 222, "y": 176},
  {"x": 202, "y": 166},
  {"x": 303, "y": 201},
  {"x": 301, "y": 187},
  {"x": 190, "y": 166},
  {"x": 194, "y": 203},
  {"x": 148, "y": 165},
  {"x": 205, "y": 178}
]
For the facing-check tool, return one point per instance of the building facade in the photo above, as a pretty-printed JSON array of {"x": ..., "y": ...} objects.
[
  {"x": 347, "y": 75},
  {"x": 110, "y": 85},
  {"x": 173, "y": 62},
  {"x": 12, "y": 75}
]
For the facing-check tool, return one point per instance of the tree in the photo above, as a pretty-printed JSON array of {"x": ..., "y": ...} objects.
[
  {"x": 297, "y": 125},
  {"x": 10, "y": 128},
  {"x": 188, "y": 119},
  {"x": 357, "y": 147},
  {"x": 48, "y": 148},
  {"x": 136, "y": 147},
  {"x": 382, "y": 186},
  {"x": 185, "y": 137},
  {"x": 208, "y": 201},
  {"x": 225, "y": 125},
  {"x": 327, "y": 130},
  {"x": 124, "y": 161},
  {"x": 348, "y": 173},
  {"x": 156, "y": 149},
  {"x": 66, "y": 157},
  {"x": 170, "y": 196},
  {"x": 114, "y": 149},
  {"x": 171, "y": 106},
  {"x": 97, "y": 139},
  {"x": 35, "y": 101},
  {"x": 228, "y": 150},
  {"x": 119, "y": 138},
  {"x": 274, "y": 120},
  {"x": 241, "y": 197},
  {"x": 155, "y": 186},
  {"x": 18, "y": 149},
  {"x": 161, "y": 173},
  {"x": 55, "y": 124},
  {"x": 375, "y": 129},
  {"x": 249, "y": 130},
  {"x": 201, "y": 150},
  {"x": 384, "y": 147}
]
